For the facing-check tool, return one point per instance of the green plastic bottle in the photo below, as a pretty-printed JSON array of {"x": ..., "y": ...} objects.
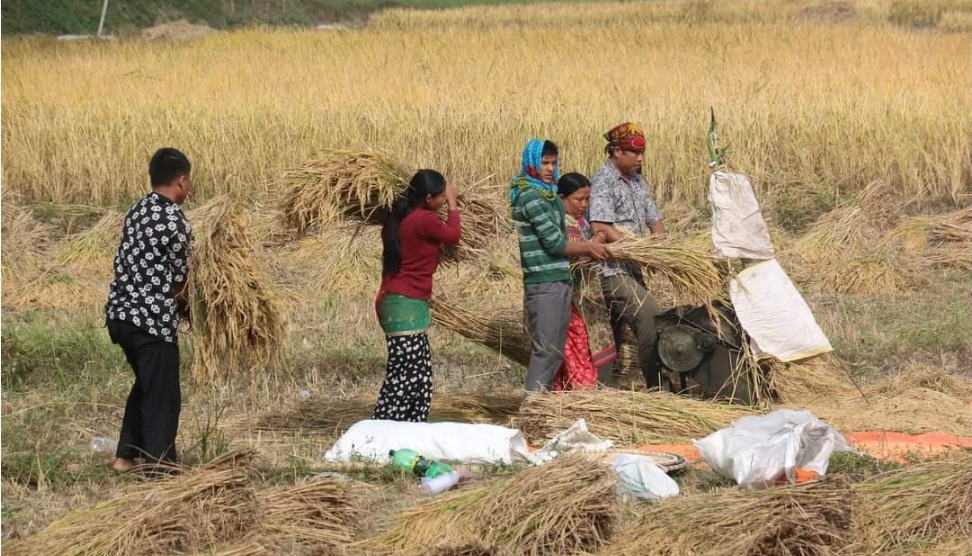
[{"x": 414, "y": 463}]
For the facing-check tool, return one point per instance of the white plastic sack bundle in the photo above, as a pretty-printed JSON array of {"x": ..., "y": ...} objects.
[
  {"x": 577, "y": 437},
  {"x": 775, "y": 315},
  {"x": 371, "y": 440},
  {"x": 640, "y": 476},
  {"x": 758, "y": 451},
  {"x": 738, "y": 229}
]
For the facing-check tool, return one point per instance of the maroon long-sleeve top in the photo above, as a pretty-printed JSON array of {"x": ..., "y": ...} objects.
[{"x": 422, "y": 233}]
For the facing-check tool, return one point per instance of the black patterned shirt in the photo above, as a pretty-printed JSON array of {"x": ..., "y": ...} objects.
[
  {"x": 152, "y": 258},
  {"x": 627, "y": 204}
]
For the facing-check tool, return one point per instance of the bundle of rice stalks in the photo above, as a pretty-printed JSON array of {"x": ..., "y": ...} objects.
[
  {"x": 190, "y": 510},
  {"x": 356, "y": 184},
  {"x": 810, "y": 519},
  {"x": 94, "y": 248},
  {"x": 54, "y": 287},
  {"x": 797, "y": 382},
  {"x": 691, "y": 273},
  {"x": 931, "y": 378},
  {"x": 339, "y": 415},
  {"x": 502, "y": 331},
  {"x": 323, "y": 511},
  {"x": 237, "y": 323},
  {"x": 916, "y": 506},
  {"x": 484, "y": 224},
  {"x": 24, "y": 242},
  {"x": 917, "y": 411},
  {"x": 247, "y": 547},
  {"x": 564, "y": 507},
  {"x": 628, "y": 418},
  {"x": 954, "y": 227},
  {"x": 848, "y": 250}
]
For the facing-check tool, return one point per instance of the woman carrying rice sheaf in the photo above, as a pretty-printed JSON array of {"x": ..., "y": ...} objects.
[{"x": 412, "y": 237}]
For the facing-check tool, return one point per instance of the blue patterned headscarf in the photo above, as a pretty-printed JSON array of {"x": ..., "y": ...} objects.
[{"x": 529, "y": 175}]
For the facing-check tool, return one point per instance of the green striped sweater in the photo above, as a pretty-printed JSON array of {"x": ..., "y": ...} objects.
[{"x": 543, "y": 238}]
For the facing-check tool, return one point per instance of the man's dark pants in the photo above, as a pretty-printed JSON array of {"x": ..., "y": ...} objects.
[{"x": 151, "y": 419}]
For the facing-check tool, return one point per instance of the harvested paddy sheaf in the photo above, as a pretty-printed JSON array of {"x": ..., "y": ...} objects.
[
  {"x": 823, "y": 376},
  {"x": 917, "y": 506},
  {"x": 627, "y": 418},
  {"x": 812, "y": 519},
  {"x": 191, "y": 510},
  {"x": 338, "y": 415},
  {"x": 849, "y": 249},
  {"x": 93, "y": 250},
  {"x": 501, "y": 330},
  {"x": 237, "y": 323},
  {"x": 568, "y": 506},
  {"x": 362, "y": 185},
  {"x": 24, "y": 241},
  {"x": 317, "y": 512}
]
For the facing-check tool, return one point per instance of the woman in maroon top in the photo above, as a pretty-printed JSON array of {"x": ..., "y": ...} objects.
[{"x": 412, "y": 237}]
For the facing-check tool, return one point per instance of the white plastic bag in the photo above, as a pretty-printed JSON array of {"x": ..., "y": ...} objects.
[
  {"x": 371, "y": 440},
  {"x": 738, "y": 229},
  {"x": 577, "y": 437},
  {"x": 640, "y": 476},
  {"x": 758, "y": 451},
  {"x": 775, "y": 315}
]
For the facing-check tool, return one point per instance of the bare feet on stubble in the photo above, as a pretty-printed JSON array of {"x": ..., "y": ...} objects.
[{"x": 123, "y": 465}]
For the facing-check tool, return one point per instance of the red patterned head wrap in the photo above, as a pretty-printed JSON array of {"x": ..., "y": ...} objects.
[{"x": 626, "y": 136}]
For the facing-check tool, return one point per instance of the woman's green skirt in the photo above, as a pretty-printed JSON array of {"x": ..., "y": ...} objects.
[{"x": 401, "y": 316}]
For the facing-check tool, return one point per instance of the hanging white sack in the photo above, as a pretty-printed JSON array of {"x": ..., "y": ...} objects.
[
  {"x": 738, "y": 229},
  {"x": 775, "y": 315}
]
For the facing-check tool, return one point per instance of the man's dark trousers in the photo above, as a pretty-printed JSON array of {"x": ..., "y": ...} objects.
[{"x": 151, "y": 419}]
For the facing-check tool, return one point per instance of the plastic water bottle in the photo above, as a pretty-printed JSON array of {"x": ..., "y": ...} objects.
[
  {"x": 441, "y": 483},
  {"x": 103, "y": 444}
]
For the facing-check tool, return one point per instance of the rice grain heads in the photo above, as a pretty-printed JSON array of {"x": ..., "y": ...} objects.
[
  {"x": 812, "y": 519},
  {"x": 564, "y": 507},
  {"x": 501, "y": 331},
  {"x": 237, "y": 323},
  {"x": 628, "y": 418}
]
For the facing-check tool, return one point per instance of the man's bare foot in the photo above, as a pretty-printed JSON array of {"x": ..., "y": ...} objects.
[{"x": 123, "y": 465}]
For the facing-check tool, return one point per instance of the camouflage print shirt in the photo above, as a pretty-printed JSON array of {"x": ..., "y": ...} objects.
[{"x": 627, "y": 204}]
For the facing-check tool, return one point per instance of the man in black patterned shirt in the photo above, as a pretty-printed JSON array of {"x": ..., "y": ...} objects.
[{"x": 151, "y": 268}]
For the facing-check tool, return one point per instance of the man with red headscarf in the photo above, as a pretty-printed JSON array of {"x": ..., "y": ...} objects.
[{"x": 622, "y": 204}]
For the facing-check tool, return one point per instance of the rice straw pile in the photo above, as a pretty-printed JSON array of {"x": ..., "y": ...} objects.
[
  {"x": 191, "y": 510},
  {"x": 931, "y": 378},
  {"x": 628, "y": 418},
  {"x": 564, "y": 507},
  {"x": 812, "y": 519},
  {"x": 800, "y": 381},
  {"x": 950, "y": 239},
  {"x": 355, "y": 184},
  {"x": 24, "y": 241},
  {"x": 94, "y": 248},
  {"x": 247, "y": 547},
  {"x": 339, "y": 415},
  {"x": 848, "y": 250},
  {"x": 502, "y": 331},
  {"x": 237, "y": 324},
  {"x": 691, "y": 273},
  {"x": 322, "y": 511},
  {"x": 917, "y": 506}
]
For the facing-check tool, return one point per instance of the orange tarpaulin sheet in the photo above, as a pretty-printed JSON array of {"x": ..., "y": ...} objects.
[{"x": 897, "y": 447}]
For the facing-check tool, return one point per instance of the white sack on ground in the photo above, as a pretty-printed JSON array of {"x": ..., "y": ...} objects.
[
  {"x": 775, "y": 315},
  {"x": 758, "y": 451},
  {"x": 640, "y": 476},
  {"x": 738, "y": 229},
  {"x": 371, "y": 440},
  {"x": 577, "y": 437}
]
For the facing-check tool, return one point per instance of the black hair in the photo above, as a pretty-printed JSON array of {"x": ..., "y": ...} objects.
[
  {"x": 549, "y": 148},
  {"x": 168, "y": 165},
  {"x": 422, "y": 184},
  {"x": 570, "y": 182}
]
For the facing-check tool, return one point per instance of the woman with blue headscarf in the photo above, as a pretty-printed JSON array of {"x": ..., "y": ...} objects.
[{"x": 544, "y": 247}]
